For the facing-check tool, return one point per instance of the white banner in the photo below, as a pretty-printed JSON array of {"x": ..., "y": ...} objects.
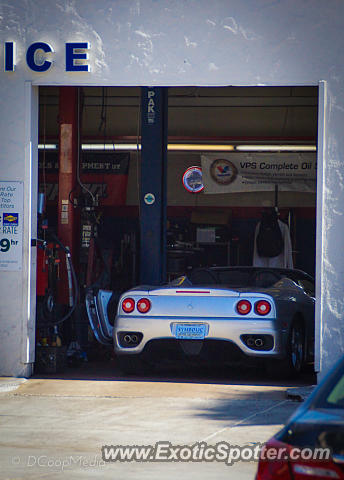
[
  {"x": 11, "y": 226},
  {"x": 251, "y": 172}
]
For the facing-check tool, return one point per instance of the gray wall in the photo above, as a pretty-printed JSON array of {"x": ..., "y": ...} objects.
[{"x": 194, "y": 42}]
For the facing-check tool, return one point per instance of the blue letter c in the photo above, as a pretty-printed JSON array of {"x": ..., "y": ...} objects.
[{"x": 30, "y": 57}]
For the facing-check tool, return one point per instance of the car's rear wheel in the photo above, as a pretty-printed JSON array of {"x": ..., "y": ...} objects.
[
  {"x": 293, "y": 363},
  {"x": 296, "y": 347}
]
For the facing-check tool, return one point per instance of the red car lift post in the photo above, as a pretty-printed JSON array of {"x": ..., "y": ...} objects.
[{"x": 68, "y": 156}]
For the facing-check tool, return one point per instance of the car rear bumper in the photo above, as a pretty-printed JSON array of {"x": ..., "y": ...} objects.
[{"x": 149, "y": 330}]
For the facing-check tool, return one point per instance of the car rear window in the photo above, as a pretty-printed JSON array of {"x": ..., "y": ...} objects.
[
  {"x": 332, "y": 396},
  {"x": 336, "y": 396},
  {"x": 203, "y": 277},
  {"x": 235, "y": 278}
]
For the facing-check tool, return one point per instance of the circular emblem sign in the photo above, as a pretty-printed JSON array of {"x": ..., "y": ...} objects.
[
  {"x": 192, "y": 180},
  {"x": 149, "y": 198},
  {"x": 223, "y": 171}
]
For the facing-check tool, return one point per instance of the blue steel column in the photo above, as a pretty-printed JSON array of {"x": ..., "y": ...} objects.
[{"x": 154, "y": 104}]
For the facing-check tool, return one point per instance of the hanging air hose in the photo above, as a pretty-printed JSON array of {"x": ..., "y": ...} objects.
[{"x": 73, "y": 289}]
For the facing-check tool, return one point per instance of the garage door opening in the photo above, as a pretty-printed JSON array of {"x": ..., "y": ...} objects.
[{"x": 258, "y": 132}]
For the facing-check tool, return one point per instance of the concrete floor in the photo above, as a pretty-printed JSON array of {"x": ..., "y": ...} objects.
[{"x": 48, "y": 422}]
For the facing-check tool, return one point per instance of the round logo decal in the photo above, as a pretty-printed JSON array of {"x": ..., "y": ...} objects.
[
  {"x": 149, "y": 198},
  {"x": 192, "y": 180},
  {"x": 223, "y": 171}
]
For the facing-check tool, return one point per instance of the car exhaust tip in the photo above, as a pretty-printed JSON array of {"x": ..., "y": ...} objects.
[
  {"x": 259, "y": 342},
  {"x": 129, "y": 339}
]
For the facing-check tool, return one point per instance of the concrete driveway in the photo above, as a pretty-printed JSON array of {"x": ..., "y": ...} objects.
[{"x": 55, "y": 427}]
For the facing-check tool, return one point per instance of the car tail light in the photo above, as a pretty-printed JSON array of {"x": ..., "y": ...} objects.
[
  {"x": 144, "y": 305},
  {"x": 244, "y": 307},
  {"x": 279, "y": 461},
  {"x": 128, "y": 305},
  {"x": 312, "y": 471},
  {"x": 273, "y": 462},
  {"x": 276, "y": 470},
  {"x": 262, "y": 307}
]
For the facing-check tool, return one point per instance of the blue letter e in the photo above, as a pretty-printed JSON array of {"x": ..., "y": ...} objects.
[{"x": 72, "y": 55}]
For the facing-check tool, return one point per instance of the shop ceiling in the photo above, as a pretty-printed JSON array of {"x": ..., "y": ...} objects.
[{"x": 202, "y": 114}]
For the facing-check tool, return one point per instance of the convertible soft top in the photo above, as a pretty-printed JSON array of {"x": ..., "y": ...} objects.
[{"x": 241, "y": 277}]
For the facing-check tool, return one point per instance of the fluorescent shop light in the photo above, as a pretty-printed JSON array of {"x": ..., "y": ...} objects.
[
  {"x": 97, "y": 146},
  {"x": 134, "y": 146},
  {"x": 47, "y": 146},
  {"x": 276, "y": 148},
  {"x": 171, "y": 147},
  {"x": 199, "y": 147},
  {"x": 110, "y": 146}
]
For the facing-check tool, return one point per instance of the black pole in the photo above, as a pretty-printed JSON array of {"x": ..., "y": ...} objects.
[{"x": 153, "y": 199}]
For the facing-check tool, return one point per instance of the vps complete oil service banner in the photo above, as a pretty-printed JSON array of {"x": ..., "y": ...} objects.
[{"x": 251, "y": 172}]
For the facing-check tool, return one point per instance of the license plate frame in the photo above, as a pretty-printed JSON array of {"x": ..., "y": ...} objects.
[{"x": 190, "y": 331}]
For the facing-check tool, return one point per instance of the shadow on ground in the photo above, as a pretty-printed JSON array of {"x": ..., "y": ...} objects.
[{"x": 233, "y": 375}]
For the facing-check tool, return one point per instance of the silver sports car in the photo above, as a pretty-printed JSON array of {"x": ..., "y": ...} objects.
[{"x": 222, "y": 314}]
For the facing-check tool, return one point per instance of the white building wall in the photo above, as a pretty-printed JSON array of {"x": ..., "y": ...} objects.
[{"x": 165, "y": 42}]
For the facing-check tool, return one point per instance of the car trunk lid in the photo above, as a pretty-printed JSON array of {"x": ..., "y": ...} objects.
[{"x": 198, "y": 302}]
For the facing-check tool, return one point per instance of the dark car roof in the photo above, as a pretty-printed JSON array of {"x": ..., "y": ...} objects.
[
  {"x": 239, "y": 276},
  {"x": 288, "y": 272}
]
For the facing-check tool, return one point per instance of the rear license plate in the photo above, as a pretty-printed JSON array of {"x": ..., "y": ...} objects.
[{"x": 189, "y": 331}]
